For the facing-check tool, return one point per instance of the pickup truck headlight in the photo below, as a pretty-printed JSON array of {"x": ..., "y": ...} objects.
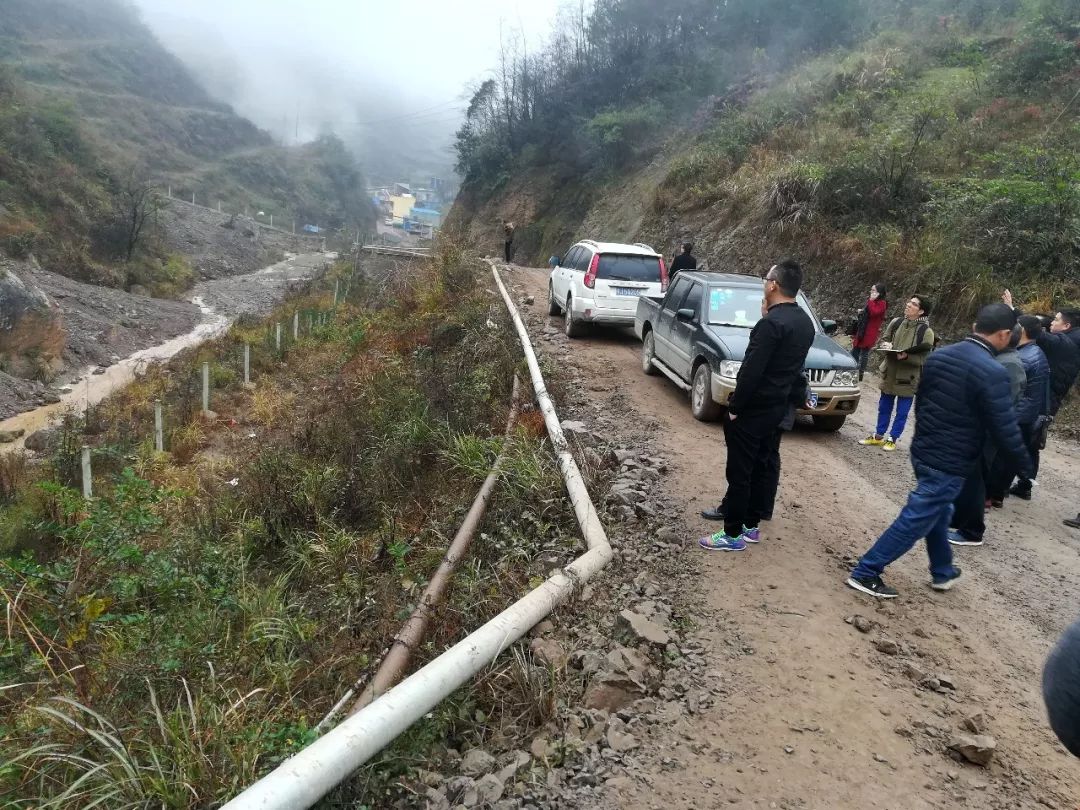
[
  {"x": 845, "y": 378},
  {"x": 730, "y": 368}
]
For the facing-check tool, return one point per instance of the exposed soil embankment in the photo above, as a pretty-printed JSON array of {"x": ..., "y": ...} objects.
[{"x": 220, "y": 245}]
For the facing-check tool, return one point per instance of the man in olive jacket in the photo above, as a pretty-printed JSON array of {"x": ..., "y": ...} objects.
[{"x": 906, "y": 343}]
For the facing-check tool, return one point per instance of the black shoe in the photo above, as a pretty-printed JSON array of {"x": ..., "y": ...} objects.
[
  {"x": 716, "y": 513},
  {"x": 873, "y": 586},
  {"x": 1072, "y": 523},
  {"x": 948, "y": 582},
  {"x": 1022, "y": 494}
]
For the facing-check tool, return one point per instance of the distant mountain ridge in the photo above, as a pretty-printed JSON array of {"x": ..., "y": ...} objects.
[{"x": 90, "y": 102}]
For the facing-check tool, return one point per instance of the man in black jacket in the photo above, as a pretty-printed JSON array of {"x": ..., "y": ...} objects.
[
  {"x": 684, "y": 261},
  {"x": 963, "y": 396},
  {"x": 1061, "y": 345},
  {"x": 773, "y": 363}
]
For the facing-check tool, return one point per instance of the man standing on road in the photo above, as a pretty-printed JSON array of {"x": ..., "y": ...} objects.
[
  {"x": 1032, "y": 410},
  {"x": 508, "y": 240},
  {"x": 963, "y": 396},
  {"x": 1061, "y": 345},
  {"x": 969, "y": 508},
  {"x": 684, "y": 261},
  {"x": 773, "y": 363},
  {"x": 907, "y": 342}
]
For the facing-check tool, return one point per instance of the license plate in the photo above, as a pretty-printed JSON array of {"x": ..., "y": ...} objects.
[
  {"x": 627, "y": 291},
  {"x": 812, "y": 400}
]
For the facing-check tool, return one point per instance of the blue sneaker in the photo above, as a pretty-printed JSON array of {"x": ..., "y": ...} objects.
[
  {"x": 958, "y": 539},
  {"x": 751, "y": 535},
  {"x": 721, "y": 542}
]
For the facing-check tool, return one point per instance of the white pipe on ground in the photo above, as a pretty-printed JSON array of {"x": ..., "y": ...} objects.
[{"x": 305, "y": 778}]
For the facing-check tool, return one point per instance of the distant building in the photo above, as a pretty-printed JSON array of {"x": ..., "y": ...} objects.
[
  {"x": 401, "y": 207},
  {"x": 428, "y": 216}
]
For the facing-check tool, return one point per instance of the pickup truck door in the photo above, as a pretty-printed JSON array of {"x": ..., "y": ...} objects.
[
  {"x": 668, "y": 307},
  {"x": 681, "y": 338}
]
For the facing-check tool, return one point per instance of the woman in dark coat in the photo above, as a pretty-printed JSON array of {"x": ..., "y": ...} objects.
[{"x": 871, "y": 316}]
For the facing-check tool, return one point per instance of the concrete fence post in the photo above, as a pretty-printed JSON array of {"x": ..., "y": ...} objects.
[
  {"x": 206, "y": 388},
  {"x": 247, "y": 364},
  {"x": 277, "y": 335},
  {"x": 336, "y": 285},
  {"x": 193, "y": 199},
  {"x": 219, "y": 206},
  {"x": 170, "y": 192},
  {"x": 271, "y": 220},
  {"x": 296, "y": 325},
  {"x": 159, "y": 427},
  {"x": 87, "y": 483}
]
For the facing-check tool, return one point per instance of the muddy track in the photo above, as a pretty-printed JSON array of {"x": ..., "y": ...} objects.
[{"x": 815, "y": 713}]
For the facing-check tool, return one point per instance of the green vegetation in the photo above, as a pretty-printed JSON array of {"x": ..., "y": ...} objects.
[
  {"x": 933, "y": 147},
  {"x": 179, "y": 634}
]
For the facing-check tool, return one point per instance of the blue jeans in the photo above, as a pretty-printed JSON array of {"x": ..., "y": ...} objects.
[
  {"x": 927, "y": 513},
  {"x": 884, "y": 414}
]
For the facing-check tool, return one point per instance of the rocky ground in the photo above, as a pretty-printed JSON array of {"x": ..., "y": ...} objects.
[
  {"x": 103, "y": 325},
  {"x": 221, "y": 245},
  {"x": 758, "y": 679}
]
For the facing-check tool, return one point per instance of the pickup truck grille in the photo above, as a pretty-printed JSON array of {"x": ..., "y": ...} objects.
[{"x": 818, "y": 376}]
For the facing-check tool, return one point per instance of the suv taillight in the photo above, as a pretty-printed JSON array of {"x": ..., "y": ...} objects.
[
  {"x": 663, "y": 276},
  {"x": 590, "y": 274}
]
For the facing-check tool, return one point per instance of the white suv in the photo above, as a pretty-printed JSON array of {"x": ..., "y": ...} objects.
[{"x": 599, "y": 282}]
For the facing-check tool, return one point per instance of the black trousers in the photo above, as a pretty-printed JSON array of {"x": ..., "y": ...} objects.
[
  {"x": 1002, "y": 472},
  {"x": 753, "y": 470},
  {"x": 508, "y": 250},
  {"x": 861, "y": 357},
  {"x": 970, "y": 505},
  {"x": 1024, "y": 484}
]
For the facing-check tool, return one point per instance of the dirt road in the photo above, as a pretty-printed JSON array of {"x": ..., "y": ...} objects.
[{"x": 818, "y": 714}]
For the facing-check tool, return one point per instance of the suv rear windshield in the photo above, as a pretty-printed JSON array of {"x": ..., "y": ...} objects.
[{"x": 628, "y": 268}]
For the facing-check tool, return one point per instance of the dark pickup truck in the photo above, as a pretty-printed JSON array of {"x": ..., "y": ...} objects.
[{"x": 697, "y": 336}]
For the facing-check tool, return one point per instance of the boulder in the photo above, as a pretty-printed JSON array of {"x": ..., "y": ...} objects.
[
  {"x": 44, "y": 440},
  {"x": 637, "y": 629},
  {"x": 976, "y": 748},
  {"x": 477, "y": 762},
  {"x": 32, "y": 338},
  {"x": 548, "y": 652},
  {"x": 9, "y": 436}
]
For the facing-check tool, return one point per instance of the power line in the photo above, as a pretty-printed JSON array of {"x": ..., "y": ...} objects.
[{"x": 439, "y": 109}]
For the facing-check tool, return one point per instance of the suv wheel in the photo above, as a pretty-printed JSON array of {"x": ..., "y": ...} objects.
[
  {"x": 573, "y": 328},
  {"x": 648, "y": 354},
  {"x": 702, "y": 405},
  {"x": 829, "y": 423},
  {"x": 553, "y": 305}
]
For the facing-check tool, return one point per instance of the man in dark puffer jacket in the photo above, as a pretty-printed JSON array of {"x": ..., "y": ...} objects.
[
  {"x": 1061, "y": 344},
  {"x": 963, "y": 396},
  {"x": 1061, "y": 689}
]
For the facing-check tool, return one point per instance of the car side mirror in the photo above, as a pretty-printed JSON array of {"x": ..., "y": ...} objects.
[
  {"x": 686, "y": 314},
  {"x": 829, "y": 327}
]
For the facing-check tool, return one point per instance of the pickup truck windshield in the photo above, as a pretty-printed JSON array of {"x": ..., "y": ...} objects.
[
  {"x": 741, "y": 306},
  {"x": 628, "y": 268}
]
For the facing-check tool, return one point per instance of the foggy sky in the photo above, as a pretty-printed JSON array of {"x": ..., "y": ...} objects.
[{"x": 336, "y": 63}]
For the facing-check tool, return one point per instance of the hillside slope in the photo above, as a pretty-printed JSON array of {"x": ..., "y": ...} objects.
[
  {"x": 93, "y": 111},
  {"x": 934, "y": 151}
]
